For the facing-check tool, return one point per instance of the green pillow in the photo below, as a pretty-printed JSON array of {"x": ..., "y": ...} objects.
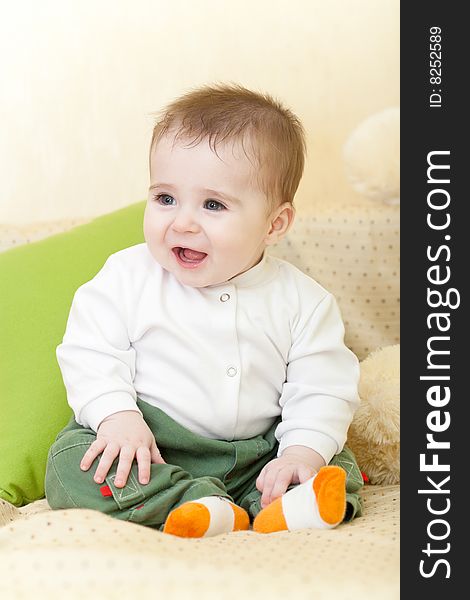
[{"x": 38, "y": 282}]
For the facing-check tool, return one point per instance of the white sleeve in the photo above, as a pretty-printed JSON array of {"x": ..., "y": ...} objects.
[
  {"x": 96, "y": 357},
  {"x": 320, "y": 394}
]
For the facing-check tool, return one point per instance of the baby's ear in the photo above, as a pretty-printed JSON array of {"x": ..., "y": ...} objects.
[{"x": 281, "y": 220}]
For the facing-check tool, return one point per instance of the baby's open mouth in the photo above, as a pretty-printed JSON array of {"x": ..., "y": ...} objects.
[{"x": 189, "y": 257}]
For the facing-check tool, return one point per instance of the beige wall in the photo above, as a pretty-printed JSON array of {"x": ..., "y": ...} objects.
[{"x": 80, "y": 79}]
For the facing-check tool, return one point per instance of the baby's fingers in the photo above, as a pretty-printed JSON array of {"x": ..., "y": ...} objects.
[
  {"x": 93, "y": 451},
  {"x": 260, "y": 480},
  {"x": 144, "y": 457},
  {"x": 276, "y": 483},
  {"x": 126, "y": 458},
  {"x": 107, "y": 459},
  {"x": 143, "y": 461},
  {"x": 283, "y": 480},
  {"x": 268, "y": 483},
  {"x": 155, "y": 455}
]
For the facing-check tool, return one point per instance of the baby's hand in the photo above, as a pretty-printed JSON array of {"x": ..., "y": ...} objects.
[
  {"x": 124, "y": 434},
  {"x": 296, "y": 465}
]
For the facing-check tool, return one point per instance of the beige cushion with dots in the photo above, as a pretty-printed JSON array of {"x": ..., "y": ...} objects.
[
  {"x": 82, "y": 553},
  {"x": 353, "y": 251},
  {"x": 12, "y": 236}
]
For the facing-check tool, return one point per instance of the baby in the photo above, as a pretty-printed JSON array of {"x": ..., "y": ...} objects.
[{"x": 211, "y": 379}]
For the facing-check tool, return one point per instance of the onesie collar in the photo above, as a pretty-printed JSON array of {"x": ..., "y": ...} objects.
[{"x": 261, "y": 273}]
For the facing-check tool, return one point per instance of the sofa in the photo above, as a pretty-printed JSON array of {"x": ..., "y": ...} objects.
[{"x": 352, "y": 249}]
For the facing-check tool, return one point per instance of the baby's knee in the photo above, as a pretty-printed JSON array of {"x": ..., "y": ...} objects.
[{"x": 66, "y": 485}]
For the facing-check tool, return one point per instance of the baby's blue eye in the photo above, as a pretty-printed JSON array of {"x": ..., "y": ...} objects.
[
  {"x": 165, "y": 199},
  {"x": 214, "y": 205}
]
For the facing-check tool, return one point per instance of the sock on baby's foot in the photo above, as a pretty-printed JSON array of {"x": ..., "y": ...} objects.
[
  {"x": 205, "y": 517},
  {"x": 318, "y": 503}
]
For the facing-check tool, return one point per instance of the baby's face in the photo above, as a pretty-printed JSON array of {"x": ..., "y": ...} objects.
[{"x": 206, "y": 219}]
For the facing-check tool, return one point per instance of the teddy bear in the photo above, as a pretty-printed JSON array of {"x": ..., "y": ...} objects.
[
  {"x": 371, "y": 156},
  {"x": 374, "y": 434}
]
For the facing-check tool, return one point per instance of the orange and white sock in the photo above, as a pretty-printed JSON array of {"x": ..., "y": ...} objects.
[
  {"x": 319, "y": 503},
  {"x": 206, "y": 517}
]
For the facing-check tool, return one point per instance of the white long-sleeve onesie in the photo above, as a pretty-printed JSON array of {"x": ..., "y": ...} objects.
[{"x": 224, "y": 361}]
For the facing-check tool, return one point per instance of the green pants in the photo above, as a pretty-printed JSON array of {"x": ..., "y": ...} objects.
[{"x": 196, "y": 467}]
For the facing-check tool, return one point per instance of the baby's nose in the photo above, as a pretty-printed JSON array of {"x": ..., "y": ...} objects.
[{"x": 185, "y": 221}]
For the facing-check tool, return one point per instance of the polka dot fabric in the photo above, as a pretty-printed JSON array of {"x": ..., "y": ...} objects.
[
  {"x": 82, "y": 553},
  {"x": 13, "y": 235},
  {"x": 353, "y": 251}
]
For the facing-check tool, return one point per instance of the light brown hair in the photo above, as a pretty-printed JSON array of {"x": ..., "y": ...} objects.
[{"x": 230, "y": 112}]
